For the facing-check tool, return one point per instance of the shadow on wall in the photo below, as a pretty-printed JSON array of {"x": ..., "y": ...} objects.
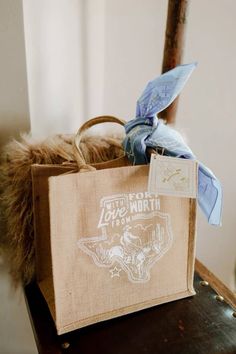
[
  {"x": 14, "y": 107},
  {"x": 12, "y": 129}
]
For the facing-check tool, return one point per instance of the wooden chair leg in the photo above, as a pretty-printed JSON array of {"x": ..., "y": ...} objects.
[{"x": 174, "y": 45}]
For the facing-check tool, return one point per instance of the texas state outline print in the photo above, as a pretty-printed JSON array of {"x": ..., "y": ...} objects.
[{"x": 134, "y": 235}]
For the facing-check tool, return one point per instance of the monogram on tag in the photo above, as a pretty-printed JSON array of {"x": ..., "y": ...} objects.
[{"x": 172, "y": 176}]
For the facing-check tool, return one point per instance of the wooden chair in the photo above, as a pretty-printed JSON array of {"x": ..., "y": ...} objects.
[{"x": 205, "y": 323}]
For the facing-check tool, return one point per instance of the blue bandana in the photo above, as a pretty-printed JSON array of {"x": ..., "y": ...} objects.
[{"x": 147, "y": 131}]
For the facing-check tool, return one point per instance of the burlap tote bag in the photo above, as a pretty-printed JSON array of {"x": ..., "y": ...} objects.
[{"x": 104, "y": 246}]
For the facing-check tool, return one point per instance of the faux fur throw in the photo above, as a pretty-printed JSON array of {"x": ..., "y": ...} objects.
[{"x": 17, "y": 241}]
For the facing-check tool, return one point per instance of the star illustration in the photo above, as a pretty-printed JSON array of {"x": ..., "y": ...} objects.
[{"x": 115, "y": 272}]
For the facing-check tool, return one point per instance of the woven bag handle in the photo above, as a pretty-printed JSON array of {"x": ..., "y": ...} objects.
[{"x": 82, "y": 165}]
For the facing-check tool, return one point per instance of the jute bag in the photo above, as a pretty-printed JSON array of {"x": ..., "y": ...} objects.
[{"x": 104, "y": 246}]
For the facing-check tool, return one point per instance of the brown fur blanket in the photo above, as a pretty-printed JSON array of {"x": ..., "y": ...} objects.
[{"x": 17, "y": 241}]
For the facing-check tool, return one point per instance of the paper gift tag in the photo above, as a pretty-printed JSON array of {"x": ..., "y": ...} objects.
[{"x": 172, "y": 176}]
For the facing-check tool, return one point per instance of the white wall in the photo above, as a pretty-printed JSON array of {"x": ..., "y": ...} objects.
[
  {"x": 86, "y": 58},
  {"x": 134, "y": 46},
  {"x": 134, "y": 40},
  {"x": 54, "y": 51},
  {"x": 207, "y": 115}
]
